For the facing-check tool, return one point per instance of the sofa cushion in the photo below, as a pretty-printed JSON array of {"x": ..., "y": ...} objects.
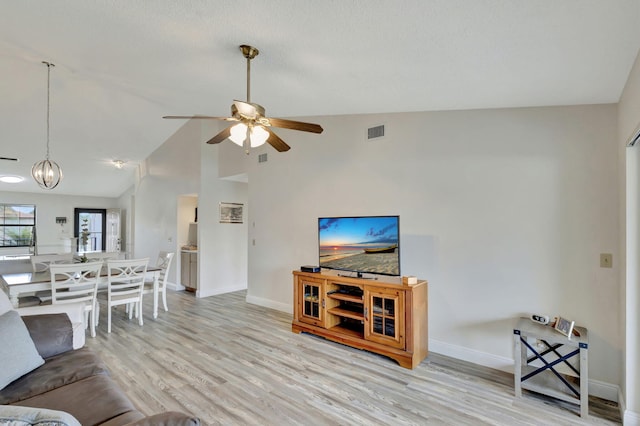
[
  {"x": 58, "y": 371},
  {"x": 17, "y": 352},
  {"x": 51, "y": 333},
  {"x": 30, "y": 416},
  {"x": 94, "y": 400}
]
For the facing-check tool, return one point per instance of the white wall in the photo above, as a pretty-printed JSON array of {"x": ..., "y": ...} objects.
[
  {"x": 50, "y": 235},
  {"x": 222, "y": 247},
  {"x": 170, "y": 171},
  {"x": 125, "y": 205},
  {"x": 628, "y": 125},
  {"x": 185, "y": 165},
  {"x": 504, "y": 212}
]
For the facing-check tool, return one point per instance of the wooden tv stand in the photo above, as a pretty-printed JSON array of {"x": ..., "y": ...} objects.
[{"x": 382, "y": 316}]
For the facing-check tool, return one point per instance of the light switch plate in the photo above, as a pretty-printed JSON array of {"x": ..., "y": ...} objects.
[{"x": 606, "y": 260}]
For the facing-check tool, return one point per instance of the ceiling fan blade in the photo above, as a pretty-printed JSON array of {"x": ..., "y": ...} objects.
[
  {"x": 275, "y": 141},
  {"x": 205, "y": 117},
  {"x": 220, "y": 136},
  {"x": 295, "y": 125}
]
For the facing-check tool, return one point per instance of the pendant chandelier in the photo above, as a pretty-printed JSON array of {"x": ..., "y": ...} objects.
[{"x": 47, "y": 173}]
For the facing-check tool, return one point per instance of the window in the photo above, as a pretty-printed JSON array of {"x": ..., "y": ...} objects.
[{"x": 17, "y": 225}]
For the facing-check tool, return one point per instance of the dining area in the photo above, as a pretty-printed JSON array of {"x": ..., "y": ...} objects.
[{"x": 99, "y": 281}]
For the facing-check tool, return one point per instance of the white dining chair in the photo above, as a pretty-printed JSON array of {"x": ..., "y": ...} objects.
[
  {"x": 72, "y": 283},
  {"x": 124, "y": 286},
  {"x": 41, "y": 263},
  {"x": 164, "y": 263},
  {"x": 103, "y": 256}
]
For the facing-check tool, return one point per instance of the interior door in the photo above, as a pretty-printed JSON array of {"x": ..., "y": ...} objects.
[{"x": 113, "y": 231}]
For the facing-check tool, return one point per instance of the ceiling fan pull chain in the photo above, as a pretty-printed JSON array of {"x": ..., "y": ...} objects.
[{"x": 247, "y": 141}]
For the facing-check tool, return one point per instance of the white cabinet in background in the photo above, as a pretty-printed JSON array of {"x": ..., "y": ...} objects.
[{"x": 189, "y": 269}]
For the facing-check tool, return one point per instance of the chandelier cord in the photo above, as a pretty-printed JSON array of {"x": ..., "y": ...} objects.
[{"x": 49, "y": 65}]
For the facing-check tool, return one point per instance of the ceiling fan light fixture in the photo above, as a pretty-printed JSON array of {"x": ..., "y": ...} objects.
[
  {"x": 258, "y": 136},
  {"x": 238, "y": 134},
  {"x": 47, "y": 173}
]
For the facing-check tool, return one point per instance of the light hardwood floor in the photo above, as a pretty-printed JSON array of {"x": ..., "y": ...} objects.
[{"x": 233, "y": 363}]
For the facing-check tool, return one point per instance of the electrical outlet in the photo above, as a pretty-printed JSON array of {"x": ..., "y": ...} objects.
[{"x": 606, "y": 260}]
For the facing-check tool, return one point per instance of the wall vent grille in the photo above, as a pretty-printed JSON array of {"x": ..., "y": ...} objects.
[
  {"x": 375, "y": 132},
  {"x": 262, "y": 158}
]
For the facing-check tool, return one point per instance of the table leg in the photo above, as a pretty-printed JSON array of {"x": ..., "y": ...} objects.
[
  {"x": 14, "y": 299},
  {"x": 517, "y": 369},
  {"x": 584, "y": 382}
]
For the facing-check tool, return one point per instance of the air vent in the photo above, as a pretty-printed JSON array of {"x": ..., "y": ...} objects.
[
  {"x": 262, "y": 158},
  {"x": 8, "y": 159},
  {"x": 375, "y": 132}
]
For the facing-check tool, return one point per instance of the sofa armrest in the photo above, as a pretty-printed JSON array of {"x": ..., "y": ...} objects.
[
  {"x": 75, "y": 312},
  {"x": 51, "y": 333},
  {"x": 169, "y": 418}
]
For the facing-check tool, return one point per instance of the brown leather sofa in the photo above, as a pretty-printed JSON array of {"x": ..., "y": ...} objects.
[{"x": 76, "y": 382}]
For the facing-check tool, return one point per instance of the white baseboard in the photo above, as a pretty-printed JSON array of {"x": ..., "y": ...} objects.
[
  {"x": 597, "y": 388},
  {"x": 175, "y": 287},
  {"x": 222, "y": 290},
  {"x": 267, "y": 303},
  {"x": 631, "y": 418},
  {"x": 604, "y": 390},
  {"x": 622, "y": 406},
  {"x": 471, "y": 355}
]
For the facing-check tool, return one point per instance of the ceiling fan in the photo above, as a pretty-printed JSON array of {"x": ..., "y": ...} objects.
[{"x": 253, "y": 128}]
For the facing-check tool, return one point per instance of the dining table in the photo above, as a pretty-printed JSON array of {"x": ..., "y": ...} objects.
[{"x": 15, "y": 284}]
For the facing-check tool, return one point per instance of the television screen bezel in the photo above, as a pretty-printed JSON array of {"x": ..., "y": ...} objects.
[{"x": 357, "y": 271}]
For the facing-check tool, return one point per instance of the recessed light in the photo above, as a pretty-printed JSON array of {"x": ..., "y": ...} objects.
[
  {"x": 118, "y": 163},
  {"x": 11, "y": 179}
]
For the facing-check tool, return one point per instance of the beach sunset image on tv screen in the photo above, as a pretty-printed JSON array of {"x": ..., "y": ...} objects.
[{"x": 360, "y": 244}]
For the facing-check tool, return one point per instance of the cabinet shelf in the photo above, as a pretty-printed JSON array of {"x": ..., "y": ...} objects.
[
  {"x": 345, "y": 297},
  {"x": 347, "y": 331},
  {"x": 346, "y": 313},
  {"x": 548, "y": 384}
]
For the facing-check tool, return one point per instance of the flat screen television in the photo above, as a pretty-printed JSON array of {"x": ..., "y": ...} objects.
[{"x": 363, "y": 244}]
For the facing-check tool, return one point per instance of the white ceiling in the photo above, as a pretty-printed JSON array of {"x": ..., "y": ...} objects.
[{"x": 122, "y": 65}]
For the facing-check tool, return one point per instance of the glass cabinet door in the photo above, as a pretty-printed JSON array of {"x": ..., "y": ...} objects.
[
  {"x": 312, "y": 303},
  {"x": 384, "y": 322}
]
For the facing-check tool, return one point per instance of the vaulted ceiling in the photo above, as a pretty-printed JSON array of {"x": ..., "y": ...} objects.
[{"x": 122, "y": 65}]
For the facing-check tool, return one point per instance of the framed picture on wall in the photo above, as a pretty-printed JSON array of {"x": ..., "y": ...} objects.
[{"x": 231, "y": 212}]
